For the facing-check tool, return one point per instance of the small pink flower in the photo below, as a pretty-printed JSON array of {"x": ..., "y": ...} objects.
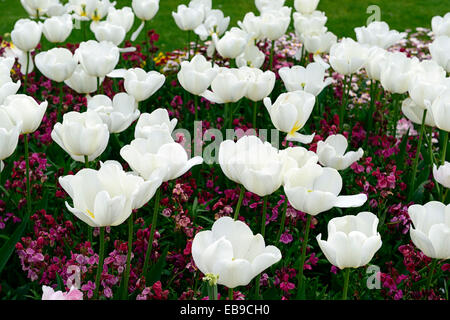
[{"x": 48, "y": 293}]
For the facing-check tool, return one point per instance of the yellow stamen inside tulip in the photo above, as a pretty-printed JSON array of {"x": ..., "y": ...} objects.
[
  {"x": 309, "y": 191},
  {"x": 297, "y": 126},
  {"x": 91, "y": 214},
  {"x": 303, "y": 84}
]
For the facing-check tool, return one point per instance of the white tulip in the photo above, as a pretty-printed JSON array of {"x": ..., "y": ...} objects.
[
  {"x": 38, "y": 8},
  {"x": 296, "y": 157},
  {"x": 332, "y": 154},
  {"x": 251, "y": 25},
  {"x": 309, "y": 79},
  {"x": 14, "y": 52},
  {"x": 352, "y": 240},
  {"x": 427, "y": 83},
  {"x": 188, "y": 18},
  {"x": 57, "y": 64},
  {"x": 123, "y": 17},
  {"x": 318, "y": 42},
  {"x": 202, "y": 5},
  {"x": 214, "y": 22},
  {"x": 195, "y": 76},
  {"x": 440, "y": 51},
  {"x": 107, "y": 197},
  {"x": 251, "y": 57},
  {"x": 9, "y": 134},
  {"x": 118, "y": 114},
  {"x": 107, "y": 31},
  {"x": 442, "y": 174},
  {"x": 231, "y": 251},
  {"x": 255, "y": 164},
  {"x": 440, "y": 110},
  {"x": 376, "y": 60},
  {"x": 81, "y": 134},
  {"x": 158, "y": 120},
  {"x": 94, "y": 10},
  {"x": 348, "y": 56},
  {"x": 81, "y": 82},
  {"x": 26, "y": 34},
  {"x": 25, "y": 110},
  {"x": 397, "y": 72},
  {"x": 274, "y": 23},
  {"x": 313, "y": 22},
  {"x": 441, "y": 25},
  {"x": 57, "y": 29},
  {"x": 259, "y": 84},
  {"x": 313, "y": 189},
  {"x": 306, "y": 6},
  {"x": 226, "y": 87},
  {"x": 145, "y": 9},
  {"x": 290, "y": 112},
  {"x": 142, "y": 85},
  {"x": 97, "y": 58},
  {"x": 232, "y": 44},
  {"x": 377, "y": 34},
  {"x": 431, "y": 232},
  {"x": 7, "y": 87},
  {"x": 158, "y": 153},
  {"x": 265, "y": 5},
  {"x": 415, "y": 113}
]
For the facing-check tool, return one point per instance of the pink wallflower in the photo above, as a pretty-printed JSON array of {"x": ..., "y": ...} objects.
[{"x": 48, "y": 293}]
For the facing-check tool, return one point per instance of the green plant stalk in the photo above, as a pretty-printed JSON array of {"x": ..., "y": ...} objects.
[
  {"x": 100, "y": 263},
  {"x": 88, "y": 228},
  {"x": 26, "y": 73},
  {"x": 283, "y": 218},
  {"x": 128, "y": 266},
  {"x": 431, "y": 274},
  {"x": 212, "y": 292},
  {"x": 395, "y": 99},
  {"x": 195, "y": 107},
  {"x": 442, "y": 161},
  {"x": 416, "y": 159},
  {"x": 255, "y": 111},
  {"x": 27, "y": 162},
  {"x": 303, "y": 256},
  {"x": 369, "y": 119},
  {"x": 189, "y": 46},
  {"x": 238, "y": 206},
  {"x": 272, "y": 49},
  {"x": 346, "y": 280},
  {"x": 230, "y": 294},
  {"x": 263, "y": 231},
  {"x": 99, "y": 86},
  {"x": 344, "y": 103},
  {"x": 152, "y": 232}
]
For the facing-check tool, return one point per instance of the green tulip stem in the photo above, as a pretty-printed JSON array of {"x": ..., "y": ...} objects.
[
  {"x": 100, "y": 262},
  {"x": 346, "y": 280},
  {"x": 27, "y": 162},
  {"x": 303, "y": 256},
  {"x": 264, "y": 213},
  {"x": 238, "y": 206},
  {"x": 26, "y": 73},
  {"x": 128, "y": 267},
  {"x": 416, "y": 159},
  {"x": 369, "y": 119},
  {"x": 395, "y": 100},
  {"x": 230, "y": 294},
  {"x": 99, "y": 86},
  {"x": 255, "y": 111},
  {"x": 195, "y": 107},
  {"x": 189, "y": 46},
  {"x": 431, "y": 273},
  {"x": 152, "y": 232},
  {"x": 444, "y": 147},
  {"x": 212, "y": 292},
  {"x": 283, "y": 218},
  {"x": 272, "y": 49}
]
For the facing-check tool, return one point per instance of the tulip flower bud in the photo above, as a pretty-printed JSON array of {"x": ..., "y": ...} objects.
[
  {"x": 26, "y": 34},
  {"x": 26, "y": 111},
  {"x": 431, "y": 228},
  {"x": 57, "y": 64},
  {"x": 58, "y": 29}
]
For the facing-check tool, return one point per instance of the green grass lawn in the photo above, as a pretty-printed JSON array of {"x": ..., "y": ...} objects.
[{"x": 343, "y": 15}]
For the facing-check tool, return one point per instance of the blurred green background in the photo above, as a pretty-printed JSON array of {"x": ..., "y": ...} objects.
[{"x": 343, "y": 15}]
